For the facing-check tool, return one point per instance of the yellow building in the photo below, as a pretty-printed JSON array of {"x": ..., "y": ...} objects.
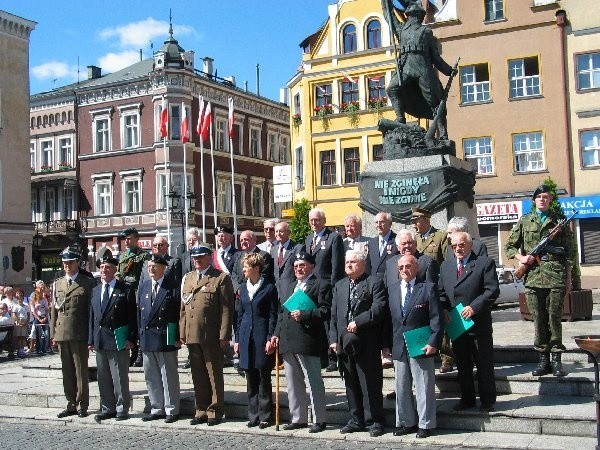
[{"x": 337, "y": 97}]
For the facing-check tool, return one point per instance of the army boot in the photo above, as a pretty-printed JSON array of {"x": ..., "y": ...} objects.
[
  {"x": 543, "y": 367},
  {"x": 557, "y": 368}
]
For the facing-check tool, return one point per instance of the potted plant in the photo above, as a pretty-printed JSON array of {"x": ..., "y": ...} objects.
[
  {"x": 351, "y": 109},
  {"x": 377, "y": 103},
  {"x": 64, "y": 166},
  {"x": 323, "y": 111},
  {"x": 46, "y": 168},
  {"x": 296, "y": 119}
]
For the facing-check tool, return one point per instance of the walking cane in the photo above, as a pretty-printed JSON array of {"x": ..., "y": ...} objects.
[{"x": 276, "y": 389}]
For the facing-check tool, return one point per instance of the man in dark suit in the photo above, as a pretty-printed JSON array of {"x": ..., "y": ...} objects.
[
  {"x": 471, "y": 280},
  {"x": 112, "y": 332},
  {"x": 283, "y": 258},
  {"x": 192, "y": 237},
  {"x": 414, "y": 304},
  {"x": 301, "y": 339},
  {"x": 247, "y": 246},
  {"x": 462, "y": 224},
  {"x": 354, "y": 239},
  {"x": 406, "y": 243},
  {"x": 71, "y": 296},
  {"x": 223, "y": 256},
  {"x": 383, "y": 246},
  {"x": 327, "y": 248},
  {"x": 159, "y": 302},
  {"x": 357, "y": 314}
]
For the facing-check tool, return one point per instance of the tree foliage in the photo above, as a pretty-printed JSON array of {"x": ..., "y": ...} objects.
[{"x": 299, "y": 226}]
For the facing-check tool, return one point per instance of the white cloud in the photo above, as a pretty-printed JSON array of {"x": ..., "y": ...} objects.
[
  {"x": 111, "y": 62},
  {"x": 54, "y": 69},
  {"x": 140, "y": 34}
]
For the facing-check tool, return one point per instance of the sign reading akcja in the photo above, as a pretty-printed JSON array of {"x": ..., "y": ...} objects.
[{"x": 432, "y": 189}]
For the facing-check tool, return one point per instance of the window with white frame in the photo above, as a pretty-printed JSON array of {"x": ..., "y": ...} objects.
[
  {"x": 257, "y": 199},
  {"x": 588, "y": 71},
  {"x": 175, "y": 121},
  {"x": 322, "y": 95},
  {"x": 299, "y": 169},
  {"x": 273, "y": 146},
  {"x": 351, "y": 165},
  {"x": 35, "y": 217},
  {"x": 377, "y": 94},
  {"x": 349, "y": 92},
  {"x": 297, "y": 109},
  {"x": 494, "y": 10},
  {"x": 478, "y": 151},
  {"x": 50, "y": 211},
  {"x": 32, "y": 156},
  {"x": 161, "y": 191},
  {"x": 101, "y": 133},
  {"x": 349, "y": 38},
  {"x": 47, "y": 154},
  {"x": 284, "y": 149},
  {"x": 474, "y": 83},
  {"x": 528, "y": 149},
  {"x": 223, "y": 194},
  {"x": 68, "y": 203},
  {"x": 131, "y": 191},
  {"x": 590, "y": 148},
  {"x": 221, "y": 134},
  {"x": 240, "y": 193},
  {"x": 65, "y": 153},
  {"x": 130, "y": 126},
  {"x": 524, "y": 76},
  {"x": 374, "y": 34},
  {"x": 328, "y": 173},
  {"x": 103, "y": 193},
  {"x": 255, "y": 150}
]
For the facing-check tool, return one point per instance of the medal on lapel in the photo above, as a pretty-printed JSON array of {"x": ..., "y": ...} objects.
[{"x": 322, "y": 245}]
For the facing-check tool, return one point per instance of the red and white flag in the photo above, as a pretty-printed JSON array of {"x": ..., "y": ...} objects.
[
  {"x": 347, "y": 77},
  {"x": 200, "y": 115},
  {"x": 185, "y": 127},
  {"x": 231, "y": 117},
  {"x": 164, "y": 120},
  {"x": 206, "y": 122}
]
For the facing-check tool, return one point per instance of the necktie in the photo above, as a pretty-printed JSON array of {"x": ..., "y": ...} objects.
[
  {"x": 459, "y": 269},
  {"x": 313, "y": 244},
  {"x": 351, "y": 300},
  {"x": 154, "y": 291},
  {"x": 280, "y": 255},
  {"x": 406, "y": 300},
  {"x": 381, "y": 246},
  {"x": 269, "y": 246},
  {"x": 104, "y": 299},
  {"x": 69, "y": 282}
]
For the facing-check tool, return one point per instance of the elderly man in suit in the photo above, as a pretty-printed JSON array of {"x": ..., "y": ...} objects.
[
  {"x": 192, "y": 237},
  {"x": 357, "y": 314},
  {"x": 270, "y": 237},
  {"x": 414, "y": 304},
  {"x": 301, "y": 339},
  {"x": 247, "y": 246},
  {"x": 382, "y": 247},
  {"x": 159, "y": 302},
  {"x": 327, "y": 248},
  {"x": 354, "y": 239},
  {"x": 205, "y": 327},
  {"x": 406, "y": 242},
  {"x": 471, "y": 280},
  {"x": 224, "y": 255},
  {"x": 112, "y": 332},
  {"x": 71, "y": 297},
  {"x": 458, "y": 223},
  {"x": 430, "y": 240},
  {"x": 160, "y": 247},
  {"x": 283, "y": 257}
]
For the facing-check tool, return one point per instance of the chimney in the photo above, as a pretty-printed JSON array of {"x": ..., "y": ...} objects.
[
  {"x": 283, "y": 97},
  {"x": 94, "y": 72},
  {"x": 207, "y": 66}
]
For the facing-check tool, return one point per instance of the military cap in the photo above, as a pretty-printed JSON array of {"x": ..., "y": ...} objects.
[
  {"x": 542, "y": 188},
  {"x": 129, "y": 231},
  {"x": 200, "y": 250},
  {"x": 109, "y": 260},
  {"x": 304, "y": 256},
  {"x": 414, "y": 9},
  {"x": 158, "y": 260},
  {"x": 70, "y": 254},
  {"x": 223, "y": 229},
  {"x": 418, "y": 212}
]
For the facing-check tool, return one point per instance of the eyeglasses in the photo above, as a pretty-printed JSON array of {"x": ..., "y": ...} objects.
[
  {"x": 406, "y": 266},
  {"x": 158, "y": 245},
  {"x": 459, "y": 245}
]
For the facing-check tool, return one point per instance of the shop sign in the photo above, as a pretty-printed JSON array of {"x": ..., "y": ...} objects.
[
  {"x": 586, "y": 207},
  {"x": 500, "y": 212}
]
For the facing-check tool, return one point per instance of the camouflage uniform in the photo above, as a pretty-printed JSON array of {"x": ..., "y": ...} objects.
[
  {"x": 545, "y": 283},
  {"x": 130, "y": 266}
]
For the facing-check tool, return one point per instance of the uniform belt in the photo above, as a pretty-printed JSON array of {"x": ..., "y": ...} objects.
[{"x": 550, "y": 257}]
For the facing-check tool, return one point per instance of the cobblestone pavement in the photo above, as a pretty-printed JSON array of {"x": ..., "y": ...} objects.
[{"x": 50, "y": 437}]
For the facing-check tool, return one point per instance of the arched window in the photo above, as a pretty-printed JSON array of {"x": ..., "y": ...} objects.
[
  {"x": 63, "y": 117},
  {"x": 374, "y": 34},
  {"x": 56, "y": 118},
  {"x": 39, "y": 121},
  {"x": 349, "y": 38},
  {"x": 32, "y": 122},
  {"x": 70, "y": 116}
]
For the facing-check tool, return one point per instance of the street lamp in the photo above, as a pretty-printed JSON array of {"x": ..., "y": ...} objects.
[{"x": 178, "y": 207}]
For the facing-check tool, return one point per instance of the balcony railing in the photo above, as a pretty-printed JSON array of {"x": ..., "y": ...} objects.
[{"x": 59, "y": 226}]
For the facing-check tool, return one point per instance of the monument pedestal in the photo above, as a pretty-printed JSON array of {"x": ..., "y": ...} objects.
[{"x": 442, "y": 184}]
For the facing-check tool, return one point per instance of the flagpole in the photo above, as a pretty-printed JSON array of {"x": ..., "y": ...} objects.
[
  {"x": 199, "y": 131},
  {"x": 233, "y": 200},
  {"x": 167, "y": 173},
  {"x": 185, "y": 185},
  {"x": 212, "y": 159}
]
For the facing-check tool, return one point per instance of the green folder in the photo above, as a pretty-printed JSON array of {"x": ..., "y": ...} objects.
[
  {"x": 121, "y": 335},
  {"x": 171, "y": 333},
  {"x": 457, "y": 325},
  {"x": 299, "y": 301},
  {"x": 416, "y": 340}
]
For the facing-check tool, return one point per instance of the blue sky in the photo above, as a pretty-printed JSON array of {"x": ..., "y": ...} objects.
[{"x": 109, "y": 33}]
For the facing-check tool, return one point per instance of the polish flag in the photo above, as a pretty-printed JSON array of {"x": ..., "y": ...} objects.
[
  {"x": 185, "y": 128},
  {"x": 206, "y": 122},
  {"x": 349, "y": 78},
  {"x": 231, "y": 117},
  {"x": 200, "y": 115},
  {"x": 164, "y": 120}
]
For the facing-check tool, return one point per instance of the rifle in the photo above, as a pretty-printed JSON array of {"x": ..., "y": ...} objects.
[
  {"x": 541, "y": 246},
  {"x": 439, "y": 111},
  {"x": 387, "y": 7}
]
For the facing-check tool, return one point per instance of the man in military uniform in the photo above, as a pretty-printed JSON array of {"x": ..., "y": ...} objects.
[
  {"x": 129, "y": 270},
  {"x": 71, "y": 296},
  {"x": 546, "y": 283}
]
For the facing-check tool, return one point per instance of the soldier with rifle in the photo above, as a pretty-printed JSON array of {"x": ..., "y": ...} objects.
[{"x": 543, "y": 243}]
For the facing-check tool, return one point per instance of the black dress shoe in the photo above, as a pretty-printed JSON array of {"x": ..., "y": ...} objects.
[
  {"x": 151, "y": 417},
  {"x": 423, "y": 433},
  {"x": 391, "y": 395},
  {"x": 404, "y": 430},
  {"x": 198, "y": 420},
  {"x": 294, "y": 426},
  {"x": 461, "y": 406},
  {"x": 253, "y": 423},
  {"x": 317, "y": 427},
  {"x": 172, "y": 418},
  {"x": 123, "y": 416},
  {"x": 214, "y": 421},
  {"x": 486, "y": 407},
  {"x": 332, "y": 367},
  {"x": 264, "y": 425},
  {"x": 351, "y": 427},
  {"x": 103, "y": 416},
  {"x": 376, "y": 430},
  {"x": 82, "y": 413},
  {"x": 66, "y": 413}
]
